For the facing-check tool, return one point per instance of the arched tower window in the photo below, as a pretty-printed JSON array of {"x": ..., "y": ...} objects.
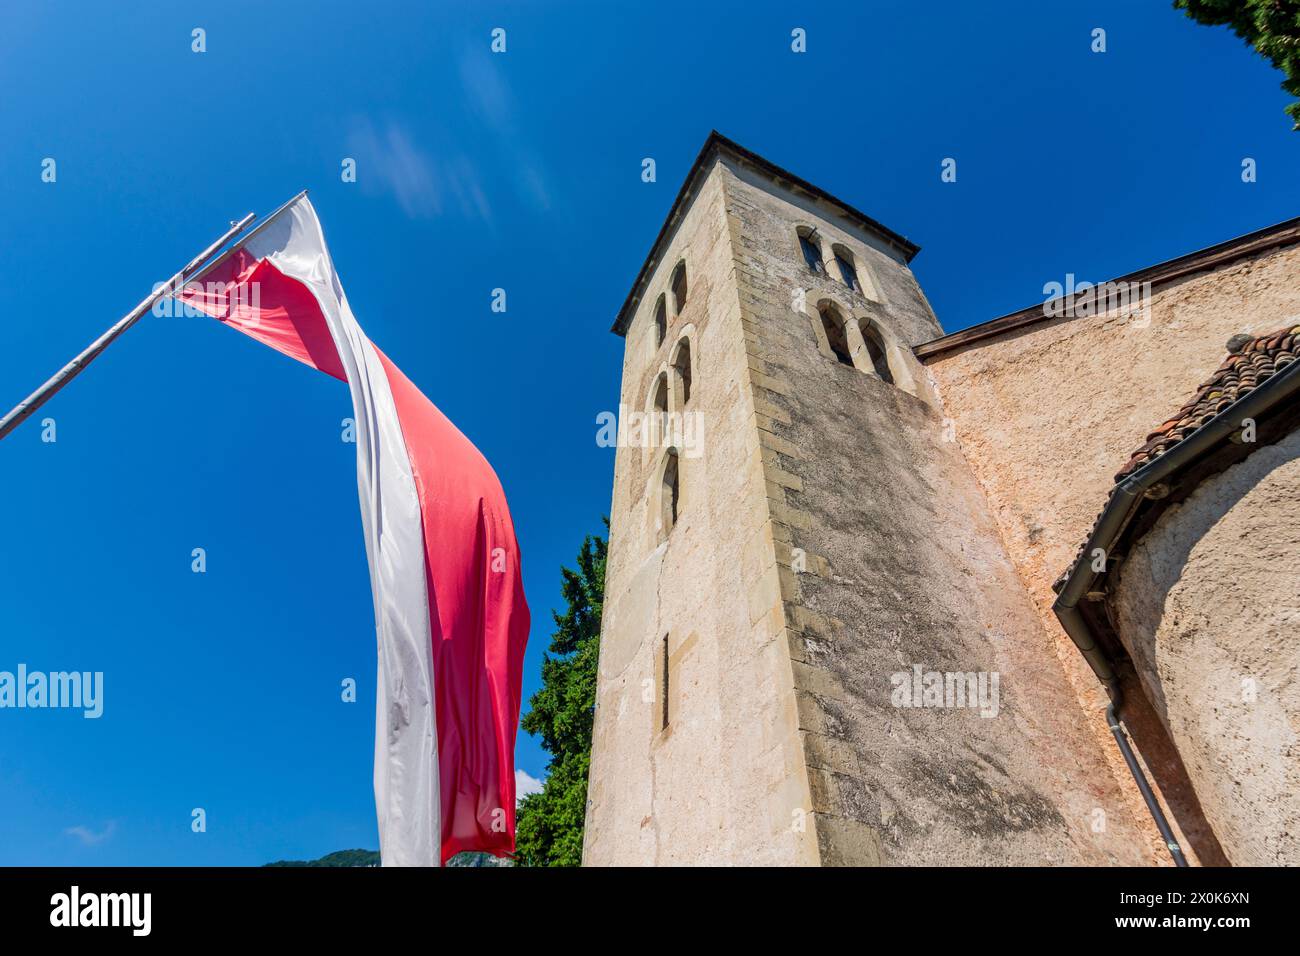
[
  {"x": 848, "y": 271},
  {"x": 678, "y": 286},
  {"x": 669, "y": 492},
  {"x": 876, "y": 350},
  {"x": 659, "y": 411},
  {"x": 833, "y": 323},
  {"x": 812, "y": 253},
  {"x": 682, "y": 363},
  {"x": 661, "y": 321}
]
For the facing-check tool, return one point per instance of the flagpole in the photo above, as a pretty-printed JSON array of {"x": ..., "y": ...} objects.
[
  {"x": 63, "y": 376},
  {"x": 255, "y": 231}
]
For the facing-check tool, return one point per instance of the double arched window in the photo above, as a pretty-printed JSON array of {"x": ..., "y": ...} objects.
[
  {"x": 845, "y": 267},
  {"x": 857, "y": 342},
  {"x": 674, "y": 297}
]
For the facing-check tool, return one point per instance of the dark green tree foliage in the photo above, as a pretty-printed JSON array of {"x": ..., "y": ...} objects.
[
  {"x": 549, "y": 824},
  {"x": 1272, "y": 27}
]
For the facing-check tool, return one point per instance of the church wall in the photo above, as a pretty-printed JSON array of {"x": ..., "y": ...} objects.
[
  {"x": 1045, "y": 417},
  {"x": 837, "y": 532},
  {"x": 725, "y": 782},
  {"x": 888, "y": 558},
  {"x": 1208, "y": 606}
]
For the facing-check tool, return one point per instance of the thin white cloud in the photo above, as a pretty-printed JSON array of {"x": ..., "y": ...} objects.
[
  {"x": 432, "y": 182},
  {"x": 485, "y": 90},
  {"x": 525, "y": 785},
  {"x": 89, "y": 837},
  {"x": 463, "y": 183},
  {"x": 390, "y": 161},
  {"x": 533, "y": 185}
]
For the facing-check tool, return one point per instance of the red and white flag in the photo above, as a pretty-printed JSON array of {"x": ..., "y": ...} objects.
[{"x": 450, "y": 612}]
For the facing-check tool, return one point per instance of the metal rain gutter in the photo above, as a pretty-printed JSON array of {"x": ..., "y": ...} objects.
[{"x": 1130, "y": 492}]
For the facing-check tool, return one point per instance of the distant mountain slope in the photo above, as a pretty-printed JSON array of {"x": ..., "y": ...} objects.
[
  {"x": 371, "y": 858},
  {"x": 478, "y": 859}
]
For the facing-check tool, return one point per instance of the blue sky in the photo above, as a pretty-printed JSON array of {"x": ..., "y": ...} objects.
[{"x": 475, "y": 171}]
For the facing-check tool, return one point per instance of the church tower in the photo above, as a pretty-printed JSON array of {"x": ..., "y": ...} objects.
[{"x": 815, "y": 649}]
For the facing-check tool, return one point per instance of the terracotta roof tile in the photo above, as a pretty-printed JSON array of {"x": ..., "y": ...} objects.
[
  {"x": 1248, "y": 365},
  {"x": 1241, "y": 372}
]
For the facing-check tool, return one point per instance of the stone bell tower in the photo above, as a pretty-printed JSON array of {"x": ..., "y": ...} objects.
[{"x": 815, "y": 650}]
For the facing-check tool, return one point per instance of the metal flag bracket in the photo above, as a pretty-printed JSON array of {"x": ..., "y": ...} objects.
[{"x": 20, "y": 412}]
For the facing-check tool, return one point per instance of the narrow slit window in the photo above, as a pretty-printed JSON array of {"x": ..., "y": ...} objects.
[
  {"x": 663, "y": 683},
  {"x": 661, "y": 321}
]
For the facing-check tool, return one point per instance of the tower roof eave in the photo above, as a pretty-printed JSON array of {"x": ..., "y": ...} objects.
[{"x": 716, "y": 143}]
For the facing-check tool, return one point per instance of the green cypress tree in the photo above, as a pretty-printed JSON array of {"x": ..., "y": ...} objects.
[
  {"x": 549, "y": 824},
  {"x": 1272, "y": 27}
]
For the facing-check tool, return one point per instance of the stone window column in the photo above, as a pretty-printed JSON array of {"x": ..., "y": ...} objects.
[
  {"x": 858, "y": 348},
  {"x": 831, "y": 266}
]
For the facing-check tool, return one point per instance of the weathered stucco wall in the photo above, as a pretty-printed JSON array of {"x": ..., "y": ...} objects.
[
  {"x": 1046, "y": 416},
  {"x": 718, "y": 785},
  {"x": 889, "y": 559},
  {"x": 1208, "y": 606}
]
